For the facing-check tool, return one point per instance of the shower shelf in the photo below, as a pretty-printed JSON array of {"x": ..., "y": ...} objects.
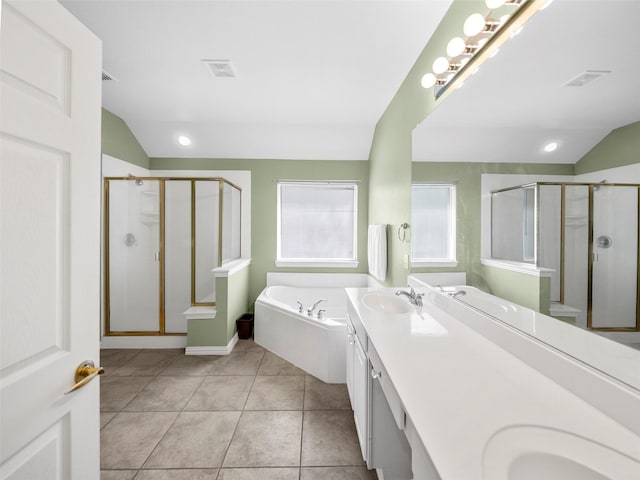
[
  {"x": 575, "y": 221},
  {"x": 149, "y": 217}
]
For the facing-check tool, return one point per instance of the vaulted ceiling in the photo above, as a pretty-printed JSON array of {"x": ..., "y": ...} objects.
[{"x": 313, "y": 76}]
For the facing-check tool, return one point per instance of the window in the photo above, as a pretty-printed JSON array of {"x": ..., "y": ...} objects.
[
  {"x": 317, "y": 224},
  {"x": 433, "y": 225}
]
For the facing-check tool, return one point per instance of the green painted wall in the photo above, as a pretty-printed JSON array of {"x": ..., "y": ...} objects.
[
  {"x": 263, "y": 203},
  {"x": 526, "y": 290},
  {"x": 621, "y": 147},
  {"x": 237, "y": 299},
  {"x": 232, "y": 300},
  {"x": 119, "y": 142},
  {"x": 206, "y": 332},
  {"x": 391, "y": 154}
]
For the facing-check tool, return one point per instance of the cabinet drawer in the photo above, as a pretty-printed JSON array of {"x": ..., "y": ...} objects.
[
  {"x": 356, "y": 324},
  {"x": 393, "y": 399}
]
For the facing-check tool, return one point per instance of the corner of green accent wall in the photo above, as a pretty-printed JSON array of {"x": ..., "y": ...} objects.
[
  {"x": 621, "y": 147},
  {"x": 118, "y": 141}
]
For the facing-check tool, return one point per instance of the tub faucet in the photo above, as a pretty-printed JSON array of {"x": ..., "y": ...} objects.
[
  {"x": 320, "y": 314},
  {"x": 459, "y": 292},
  {"x": 314, "y": 306},
  {"x": 414, "y": 298}
]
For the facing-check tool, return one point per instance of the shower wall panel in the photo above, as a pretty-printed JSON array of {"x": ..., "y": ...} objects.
[
  {"x": 177, "y": 254},
  {"x": 615, "y": 257},
  {"x": 134, "y": 263}
]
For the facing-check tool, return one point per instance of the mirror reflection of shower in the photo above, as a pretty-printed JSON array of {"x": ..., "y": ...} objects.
[{"x": 587, "y": 233}]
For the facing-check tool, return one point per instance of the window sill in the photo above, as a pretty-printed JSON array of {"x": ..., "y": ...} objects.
[
  {"x": 434, "y": 263},
  {"x": 318, "y": 263}
]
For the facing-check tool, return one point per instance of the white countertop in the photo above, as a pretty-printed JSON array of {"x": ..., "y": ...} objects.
[{"x": 459, "y": 389}]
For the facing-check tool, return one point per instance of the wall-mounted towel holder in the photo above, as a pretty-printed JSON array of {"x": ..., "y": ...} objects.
[{"x": 402, "y": 231}]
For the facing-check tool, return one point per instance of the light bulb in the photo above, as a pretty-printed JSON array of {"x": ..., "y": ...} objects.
[
  {"x": 184, "y": 140},
  {"x": 428, "y": 80},
  {"x": 494, "y": 3},
  {"x": 455, "y": 47},
  {"x": 473, "y": 25},
  {"x": 550, "y": 147},
  {"x": 440, "y": 65}
]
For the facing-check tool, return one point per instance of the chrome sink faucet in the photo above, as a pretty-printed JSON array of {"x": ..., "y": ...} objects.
[
  {"x": 414, "y": 298},
  {"x": 314, "y": 306}
]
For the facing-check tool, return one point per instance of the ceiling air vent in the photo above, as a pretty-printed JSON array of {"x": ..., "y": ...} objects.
[
  {"x": 106, "y": 77},
  {"x": 585, "y": 77},
  {"x": 220, "y": 68}
]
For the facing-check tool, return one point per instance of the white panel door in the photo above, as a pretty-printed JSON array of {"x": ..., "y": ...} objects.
[{"x": 49, "y": 242}]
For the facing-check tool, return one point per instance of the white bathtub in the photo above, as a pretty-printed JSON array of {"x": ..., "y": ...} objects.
[{"x": 316, "y": 346}]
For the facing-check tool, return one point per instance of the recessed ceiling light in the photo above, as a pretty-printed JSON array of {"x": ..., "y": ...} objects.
[
  {"x": 550, "y": 147},
  {"x": 184, "y": 140}
]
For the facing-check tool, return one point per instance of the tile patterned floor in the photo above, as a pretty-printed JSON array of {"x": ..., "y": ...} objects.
[{"x": 246, "y": 416}]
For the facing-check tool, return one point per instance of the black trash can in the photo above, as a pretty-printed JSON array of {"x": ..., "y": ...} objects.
[{"x": 245, "y": 326}]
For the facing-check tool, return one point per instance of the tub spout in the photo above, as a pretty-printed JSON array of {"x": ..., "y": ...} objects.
[{"x": 314, "y": 306}]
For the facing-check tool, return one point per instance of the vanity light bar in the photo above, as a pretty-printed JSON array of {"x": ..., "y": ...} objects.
[{"x": 493, "y": 35}]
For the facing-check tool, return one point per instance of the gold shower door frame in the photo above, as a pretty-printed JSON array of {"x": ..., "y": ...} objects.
[{"x": 161, "y": 317}]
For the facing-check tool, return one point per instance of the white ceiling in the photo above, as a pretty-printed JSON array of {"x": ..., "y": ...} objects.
[
  {"x": 313, "y": 77},
  {"x": 517, "y": 102}
]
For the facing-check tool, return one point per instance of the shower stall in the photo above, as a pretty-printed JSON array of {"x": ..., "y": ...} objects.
[
  {"x": 163, "y": 237},
  {"x": 587, "y": 234}
]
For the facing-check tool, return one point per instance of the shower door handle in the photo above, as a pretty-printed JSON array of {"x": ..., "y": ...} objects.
[{"x": 157, "y": 256}]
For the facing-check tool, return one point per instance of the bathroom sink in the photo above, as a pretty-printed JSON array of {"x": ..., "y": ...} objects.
[
  {"x": 532, "y": 453},
  {"x": 386, "y": 303}
]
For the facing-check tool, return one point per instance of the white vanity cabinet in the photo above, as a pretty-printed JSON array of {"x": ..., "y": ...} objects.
[
  {"x": 357, "y": 384},
  {"x": 384, "y": 446}
]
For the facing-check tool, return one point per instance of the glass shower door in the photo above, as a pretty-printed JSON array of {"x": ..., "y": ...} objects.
[
  {"x": 133, "y": 255},
  {"x": 614, "y": 257}
]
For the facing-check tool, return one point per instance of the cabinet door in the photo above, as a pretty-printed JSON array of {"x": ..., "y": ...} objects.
[
  {"x": 360, "y": 407},
  {"x": 351, "y": 341}
]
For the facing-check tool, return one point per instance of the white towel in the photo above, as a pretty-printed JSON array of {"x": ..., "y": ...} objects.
[{"x": 377, "y": 251}]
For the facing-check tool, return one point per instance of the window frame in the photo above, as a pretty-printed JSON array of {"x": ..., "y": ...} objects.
[
  {"x": 316, "y": 262},
  {"x": 451, "y": 260}
]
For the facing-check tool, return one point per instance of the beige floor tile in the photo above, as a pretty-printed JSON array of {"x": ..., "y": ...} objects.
[
  {"x": 165, "y": 394},
  {"x": 227, "y": 392},
  {"x": 247, "y": 346},
  {"x": 258, "y": 474},
  {"x": 325, "y": 396},
  {"x": 105, "y": 417},
  {"x": 116, "y": 392},
  {"x": 149, "y": 362},
  {"x": 195, "y": 440},
  {"x": 177, "y": 474},
  {"x": 241, "y": 363},
  {"x": 190, "y": 365},
  {"x": 276, "y": 393},
  {"x": 128, "y": 439},
  {"x": 337, "y": 473},
  {"x": 275, "y": 365},
  {"x": 116, "y": 357},
  {"x": 329, "y": 439},
  {"x": 117, "y": 474},
  {"x": 266, "y": 439}
]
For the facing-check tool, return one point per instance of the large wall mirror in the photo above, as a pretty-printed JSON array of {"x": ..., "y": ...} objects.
[{"x": 569, "y": 77}]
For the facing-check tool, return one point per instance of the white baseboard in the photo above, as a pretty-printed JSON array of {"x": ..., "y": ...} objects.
[
  {"x": 213, "y": 350},
  {"x": 139, "y": 341}
]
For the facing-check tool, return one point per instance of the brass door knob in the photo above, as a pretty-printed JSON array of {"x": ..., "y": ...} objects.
[{"x": 85, "y": 372}]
